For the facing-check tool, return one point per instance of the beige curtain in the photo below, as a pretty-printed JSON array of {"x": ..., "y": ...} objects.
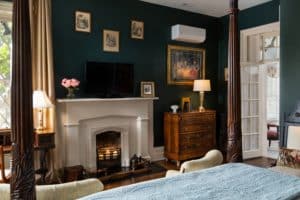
[{"x": 42, "y": 60}]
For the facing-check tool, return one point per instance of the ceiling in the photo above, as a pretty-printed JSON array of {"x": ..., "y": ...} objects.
[{"x": 216, "y": 8}]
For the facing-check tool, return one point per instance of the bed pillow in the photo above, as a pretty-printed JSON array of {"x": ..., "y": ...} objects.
[{"x": 289, "y": 158}]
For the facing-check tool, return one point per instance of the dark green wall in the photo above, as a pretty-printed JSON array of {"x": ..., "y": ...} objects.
[
  {"x": 252, "y": 17},
  {"x": 72, "y": 49},
  {"x": 290, "y": 55}
]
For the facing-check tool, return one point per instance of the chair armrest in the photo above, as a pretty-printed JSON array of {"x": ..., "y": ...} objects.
[{"x": 171, "y": 173}]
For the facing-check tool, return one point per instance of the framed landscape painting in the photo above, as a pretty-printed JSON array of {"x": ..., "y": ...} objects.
[{"x": 185, "y": 64}]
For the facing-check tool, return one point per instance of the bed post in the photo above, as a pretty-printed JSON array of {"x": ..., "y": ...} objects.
[
  {"x": 234, "y": 132},
  {"x": 22, "y": 181}
]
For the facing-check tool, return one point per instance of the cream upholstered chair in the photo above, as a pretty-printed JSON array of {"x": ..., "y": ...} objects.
[
  {"x": 293, "y": 142},
  {"x": 212, "y": 158},
  {"x": 64, "y": 191}
]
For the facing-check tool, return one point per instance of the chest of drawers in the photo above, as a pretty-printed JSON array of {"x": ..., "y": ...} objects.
[{"x": 189, "y": 135}]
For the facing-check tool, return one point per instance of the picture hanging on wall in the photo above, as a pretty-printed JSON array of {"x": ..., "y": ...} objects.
[
  {"x": 83, "y": 21},
  {"x": 137, "y": 30},
  {"x": 111, "y": 41},
  {"x": 185, "y": 64}
]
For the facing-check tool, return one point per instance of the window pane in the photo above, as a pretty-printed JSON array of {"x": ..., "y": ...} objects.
[{"x": 5, "y": 66}]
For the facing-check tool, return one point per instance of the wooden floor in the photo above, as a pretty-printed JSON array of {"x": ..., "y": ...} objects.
[{"x": 260, "y": 162}]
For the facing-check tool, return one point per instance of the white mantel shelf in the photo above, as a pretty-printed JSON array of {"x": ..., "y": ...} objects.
[{"x": 105, "y": 99}]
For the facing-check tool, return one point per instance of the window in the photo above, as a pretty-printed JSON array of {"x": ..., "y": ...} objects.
[{"x": 5, "y": 62}]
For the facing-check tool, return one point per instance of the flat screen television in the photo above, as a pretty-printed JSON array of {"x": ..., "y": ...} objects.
[{"x": 109, "y": 80}]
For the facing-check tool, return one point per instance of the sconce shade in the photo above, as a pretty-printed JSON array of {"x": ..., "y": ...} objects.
[
  {"x": 40, "y": 100},
  {"x": 202, "y": 85}
]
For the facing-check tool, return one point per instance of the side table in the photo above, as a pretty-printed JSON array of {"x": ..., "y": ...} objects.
[{"x": 44, "y": 141}]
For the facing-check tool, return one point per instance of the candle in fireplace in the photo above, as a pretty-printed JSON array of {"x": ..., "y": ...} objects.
[
  {"x": 115, "y": 154},
  {"x": 107, "y": 155}
]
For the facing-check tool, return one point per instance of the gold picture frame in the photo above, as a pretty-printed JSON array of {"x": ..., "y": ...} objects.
[
  {"x": 111, "y": 40},
  {"x": 82, "y": 21},
  {"x": 186, "y": 104},
  {"x": 147, "y": 89},
  {"x": 185, "y": 64},
  {"x": 137, "y": 29}
]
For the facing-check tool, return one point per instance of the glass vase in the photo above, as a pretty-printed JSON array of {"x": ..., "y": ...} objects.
[{"x": 71, "y": 93}]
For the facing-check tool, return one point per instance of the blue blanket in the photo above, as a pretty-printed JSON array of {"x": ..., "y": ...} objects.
[{"x": 228, "y": 182}]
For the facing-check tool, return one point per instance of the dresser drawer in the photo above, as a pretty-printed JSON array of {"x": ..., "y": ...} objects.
[
  {"x": 200, "y": 127},
  {"x": 195, "y": 141}
]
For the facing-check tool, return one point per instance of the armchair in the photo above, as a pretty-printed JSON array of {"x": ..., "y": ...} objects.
[{"x": 212, "y": 158}]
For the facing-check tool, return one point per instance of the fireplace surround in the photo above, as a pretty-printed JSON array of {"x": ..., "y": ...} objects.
[{"x": 80, "y": 120}]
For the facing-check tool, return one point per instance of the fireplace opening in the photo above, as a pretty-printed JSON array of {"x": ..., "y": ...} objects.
[{"x": 108, "y": 152}]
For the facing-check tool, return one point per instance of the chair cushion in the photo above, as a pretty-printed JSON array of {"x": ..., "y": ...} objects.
[
  {"x": 272, "y": 135},
  {"x": 289, "y": 158}
]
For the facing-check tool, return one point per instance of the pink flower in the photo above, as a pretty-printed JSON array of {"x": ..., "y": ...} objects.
[
  {"x": 74, "y": 82},
  {"x": 70, "y": 83}
]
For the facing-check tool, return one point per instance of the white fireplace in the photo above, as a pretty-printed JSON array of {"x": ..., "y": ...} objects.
[{"x": 80, "y": 120}]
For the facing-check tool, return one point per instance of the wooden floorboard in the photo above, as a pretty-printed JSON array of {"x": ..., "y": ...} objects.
[{"x": 260, "y": 162}]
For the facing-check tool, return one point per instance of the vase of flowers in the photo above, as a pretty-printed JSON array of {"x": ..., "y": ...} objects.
[{"x": 71, "y": 85}]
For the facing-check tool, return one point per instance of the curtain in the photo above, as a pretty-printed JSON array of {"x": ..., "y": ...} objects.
[{"x": 42, "y": 61}]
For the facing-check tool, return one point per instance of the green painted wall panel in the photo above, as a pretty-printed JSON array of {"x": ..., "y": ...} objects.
[
  {"x": 72, "y": 49},
  {"x": 290, "y": 51}
]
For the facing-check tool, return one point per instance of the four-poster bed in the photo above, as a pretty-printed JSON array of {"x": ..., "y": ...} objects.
[{"x": 239, "y": 180}]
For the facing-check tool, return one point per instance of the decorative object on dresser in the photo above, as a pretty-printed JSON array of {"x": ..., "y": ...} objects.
[
  {"x": 186, "y": 104},
  {"x": 189, "y": 135},
  {"x": 82, "y": 21},
  {"x": 147, "y": 89},
  {"x": 201, "y": 86},
  {"x": 185, "y": 64},
  {"x": 40, "y": 102},
  {"x": 174, "y": 108}
]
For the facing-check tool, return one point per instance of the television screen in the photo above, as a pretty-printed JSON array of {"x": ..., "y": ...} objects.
[{"x": 109, "y": 80}]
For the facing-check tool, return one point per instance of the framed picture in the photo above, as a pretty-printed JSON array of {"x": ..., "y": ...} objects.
[
  {"x": 147, "y": 89},
  {"x": 111, "y": 40},
  {"x": 185, "y": 64},
  {"x": 186, "y": 104},
  {"x": 137, "y": 30},
  {"x": 82, "y": 21}
]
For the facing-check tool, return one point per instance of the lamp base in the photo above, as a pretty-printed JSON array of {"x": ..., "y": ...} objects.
[
  {"x": 40, "y": 128},
  {"x": 201, "y": 109}
]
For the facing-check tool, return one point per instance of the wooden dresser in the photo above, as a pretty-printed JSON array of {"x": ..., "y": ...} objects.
[{"x": 189, "y": 135}]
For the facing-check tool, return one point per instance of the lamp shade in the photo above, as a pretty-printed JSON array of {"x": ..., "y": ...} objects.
[
  {"x": 40, "y": 100},
  {"x": 202, "y": 85}
]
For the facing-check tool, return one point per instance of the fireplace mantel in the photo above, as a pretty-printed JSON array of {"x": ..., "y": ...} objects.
[
  {"x": 78, "y": 119},
  {"x": 105, "y": 99}
]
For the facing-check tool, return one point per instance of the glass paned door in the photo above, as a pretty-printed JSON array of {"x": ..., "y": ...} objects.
[{"x": 250, "y": 110}]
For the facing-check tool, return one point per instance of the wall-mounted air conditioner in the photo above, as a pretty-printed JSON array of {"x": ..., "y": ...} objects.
[{"x": 190, "y": 34}]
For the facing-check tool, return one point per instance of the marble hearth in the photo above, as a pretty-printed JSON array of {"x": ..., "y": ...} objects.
[{"x": 80, "y": 120}]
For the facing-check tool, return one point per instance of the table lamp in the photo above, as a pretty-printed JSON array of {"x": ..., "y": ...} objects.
[
  {"x": 40, "y": 102},
  {"x": 201, "y": 86}
]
